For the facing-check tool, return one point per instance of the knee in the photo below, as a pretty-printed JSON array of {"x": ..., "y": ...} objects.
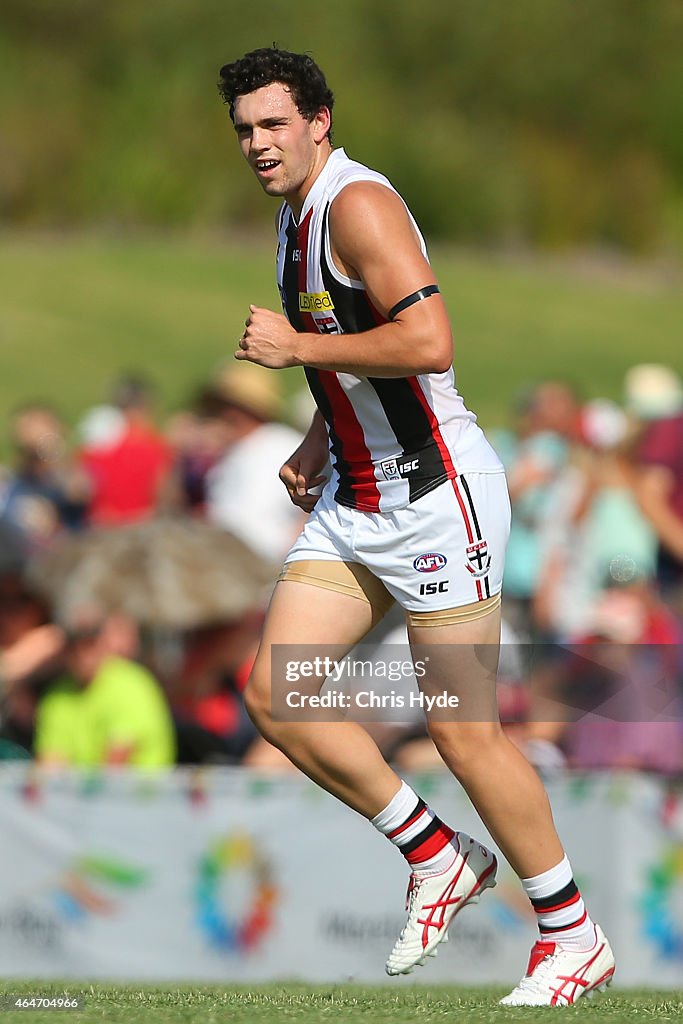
[
  {"x": 257, "y": 701},
  {"x": 464, "y": 745}
]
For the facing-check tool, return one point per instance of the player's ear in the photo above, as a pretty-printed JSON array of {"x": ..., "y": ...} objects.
[{"x": 321, "y": 124}]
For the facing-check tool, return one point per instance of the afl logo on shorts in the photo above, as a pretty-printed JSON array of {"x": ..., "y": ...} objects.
[
  {"x": 478, "y": 558},
  {"x": 432, "y": 561}
]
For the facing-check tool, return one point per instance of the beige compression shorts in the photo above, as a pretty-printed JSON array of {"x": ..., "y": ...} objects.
[{"x": 357, "y": 581}]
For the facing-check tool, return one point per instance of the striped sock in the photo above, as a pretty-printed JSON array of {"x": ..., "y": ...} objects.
[
  {"x": 560, "y": 911},
  {"x": 422, "y": 838}
]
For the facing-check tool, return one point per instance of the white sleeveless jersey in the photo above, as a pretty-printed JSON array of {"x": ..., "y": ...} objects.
[{"x": 391, "y": 439}]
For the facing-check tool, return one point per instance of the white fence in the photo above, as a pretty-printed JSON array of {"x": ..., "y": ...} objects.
[{"x": 227, "y": 876}]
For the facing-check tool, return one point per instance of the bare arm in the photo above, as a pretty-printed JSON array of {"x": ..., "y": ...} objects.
[
  {"x": 653, "y": 490},
  {"x": 303, "y": 469},
  {"x": 373, "y": 241},
  {"x": 41, "y": 648}
]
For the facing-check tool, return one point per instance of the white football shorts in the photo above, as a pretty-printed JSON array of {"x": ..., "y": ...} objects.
[{"x": 445, "y": 550}]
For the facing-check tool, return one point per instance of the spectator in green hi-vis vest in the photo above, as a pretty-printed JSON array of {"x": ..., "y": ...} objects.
[{"x": 106, "y": 708}]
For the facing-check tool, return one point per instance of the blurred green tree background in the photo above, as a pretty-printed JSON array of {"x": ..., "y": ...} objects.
[
  {"x": 134, "y": 237},
  {"x": 549, "y": 123}
]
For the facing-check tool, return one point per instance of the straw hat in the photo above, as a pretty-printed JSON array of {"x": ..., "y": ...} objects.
[
  {"x": 653, "y": 392},
  {"x": 252, "y": 388}
]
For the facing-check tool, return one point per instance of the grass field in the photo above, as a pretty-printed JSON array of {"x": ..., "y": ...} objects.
[
  {"x": 75, "y": 310},
  {"x": 316, "y": 1005}
]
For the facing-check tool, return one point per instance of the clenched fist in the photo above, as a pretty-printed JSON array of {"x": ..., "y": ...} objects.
[{"x": 268, "y": 339}]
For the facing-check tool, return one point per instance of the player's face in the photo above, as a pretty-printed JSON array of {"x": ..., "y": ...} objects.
[{"x": 282, "y": 147}]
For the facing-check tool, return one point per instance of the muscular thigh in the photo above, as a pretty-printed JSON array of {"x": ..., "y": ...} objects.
[
  {"x": 309, "y": 620},
  {"x": 459, "y": 661}
]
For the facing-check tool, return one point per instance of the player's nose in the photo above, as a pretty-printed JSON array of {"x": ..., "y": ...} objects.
[{"x": 260, "y": 140}]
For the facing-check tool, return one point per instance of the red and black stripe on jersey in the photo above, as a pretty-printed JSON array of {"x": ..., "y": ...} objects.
[
  {"x": 403, "y": 409},
  {"x": 289, "y": 290},
  {"x": 319, "y": 381},
  {"x": 413, "y": 431}
]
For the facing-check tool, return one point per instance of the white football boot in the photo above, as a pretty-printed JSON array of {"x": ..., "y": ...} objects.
[
  {"x": 434, "y": 900},
  {"x": 559, "y": 977}
]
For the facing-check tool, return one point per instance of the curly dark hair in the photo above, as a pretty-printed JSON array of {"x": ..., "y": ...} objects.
[{"x": 297, "y": 71}]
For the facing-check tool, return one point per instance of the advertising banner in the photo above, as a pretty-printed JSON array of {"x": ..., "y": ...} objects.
[{"x": 226, "y": 876}]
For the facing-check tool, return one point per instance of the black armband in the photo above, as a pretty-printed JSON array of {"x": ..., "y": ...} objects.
[{"x": 410, "y": 300}]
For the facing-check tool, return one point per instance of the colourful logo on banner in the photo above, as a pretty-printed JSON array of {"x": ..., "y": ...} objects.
[
  {"x": 245, "y": 932},
  {"x": 83, "y": 888},
  {"x": 661, "y": 902}
]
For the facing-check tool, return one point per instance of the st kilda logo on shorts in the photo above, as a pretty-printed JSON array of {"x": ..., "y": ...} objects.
[
  {"x": 431, "y": 561},
  {"x": 478, "y": 558}
]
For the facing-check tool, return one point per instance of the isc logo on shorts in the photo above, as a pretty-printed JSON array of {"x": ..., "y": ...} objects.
[
  {"x": 432, "y": 561},
  {"x": 315, "y": 302},
  {"x": 434, "y": 588}
]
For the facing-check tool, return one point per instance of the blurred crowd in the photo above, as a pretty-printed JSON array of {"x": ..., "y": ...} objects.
[{"x": 125, "y": 639}]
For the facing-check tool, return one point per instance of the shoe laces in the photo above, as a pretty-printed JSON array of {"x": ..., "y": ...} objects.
[
  {"x": 543, "y": 969},
  {"x": 413, "y": 888},
  {"x": 411, "y": 895},
  {"x": 416, "y": 881}
]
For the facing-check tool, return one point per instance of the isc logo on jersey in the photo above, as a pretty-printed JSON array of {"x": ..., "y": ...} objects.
[
  {"x": 392, "y": 470},
  {"x": 431, "y": 561},
  {"x": 315, "y": 302}
]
